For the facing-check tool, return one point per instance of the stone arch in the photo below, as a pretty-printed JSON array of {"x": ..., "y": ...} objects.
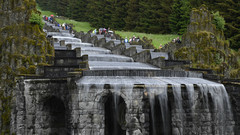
[
  {"x": 101, "y": 97},
  {"x": 54, "y": 116},
  {"x": 115, "y": 111},
  {"x": 105, "y": 103}
]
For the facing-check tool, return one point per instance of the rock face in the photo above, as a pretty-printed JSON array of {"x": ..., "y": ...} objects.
[
  {"x": 205, "y": 46},
  {"x": 23, "y": 46}
]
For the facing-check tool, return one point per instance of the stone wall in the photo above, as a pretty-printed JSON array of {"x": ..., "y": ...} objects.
[
  {"x": 84, "y": 109},
  {"x": 234, "y": 93},
  {"x": 42, "y": 107},
  {"x": 23, "y": 46}
]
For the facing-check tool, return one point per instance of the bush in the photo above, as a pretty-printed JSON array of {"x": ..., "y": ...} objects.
[
  {"x": 218, "y": 21},
  {"x": 36, "y": 19}
]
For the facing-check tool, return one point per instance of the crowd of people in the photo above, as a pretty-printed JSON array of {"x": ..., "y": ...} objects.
[
  {"x": 176, "y": 40},
  {"x": 49, "y": 19},
  {"x": 52, "y": 20},
  {"x": 103, "y": 31},
  {"x": 131, "y": 39}
]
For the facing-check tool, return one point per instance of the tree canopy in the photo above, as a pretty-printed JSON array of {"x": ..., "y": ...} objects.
[{"x": 148, "y": 16}]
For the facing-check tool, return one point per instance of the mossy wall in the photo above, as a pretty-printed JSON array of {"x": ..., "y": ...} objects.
[
  {"x": 206, "y": 46},
  {"x": 23, "y": 46}
]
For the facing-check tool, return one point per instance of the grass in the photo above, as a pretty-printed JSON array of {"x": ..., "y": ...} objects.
[
  {"x": 157, "y": 39},
  {"x": 78, "y": 26}
]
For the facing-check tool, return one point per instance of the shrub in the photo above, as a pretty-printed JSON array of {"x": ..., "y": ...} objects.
[
  {"x": 218, "y": 21},
  {"x": 36, "y": 19}
]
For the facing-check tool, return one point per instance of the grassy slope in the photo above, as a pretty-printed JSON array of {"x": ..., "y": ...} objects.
[
  {"x": 85, "y": 26},
  {"x": 156, "y": 38}
]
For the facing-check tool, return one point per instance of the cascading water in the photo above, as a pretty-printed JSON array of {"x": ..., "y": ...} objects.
[
  {"x": 220, "y": 108},
  {"x": 178, "y": 107},
  {"x": 163, "y": 101},
  {"x": 157, "y": 88}
]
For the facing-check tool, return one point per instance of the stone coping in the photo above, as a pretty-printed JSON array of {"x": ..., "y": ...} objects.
[{"x": 147, "y": 73}]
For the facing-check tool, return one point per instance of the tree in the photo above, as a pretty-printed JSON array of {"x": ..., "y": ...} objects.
[
  {"x": 164, "y": 11},
  {"x": 229, "y": 9},
  {"x": 132, "y": 15},
  {"x": 143, "y": 18},
  {"x": 179, "y": 19},
  {"x": 95, "y": 13},
  {"x": 118, "y": 14}
]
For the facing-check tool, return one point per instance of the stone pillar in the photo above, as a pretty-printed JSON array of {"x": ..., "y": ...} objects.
[
  {"x": 135, "y": 125},
  {"x": 62, "y": 43},
  {"x": 69, "y": 46},
  {"x": 40, "y": 70},
  {"x": 78, "y": 52},
  {"x": 55, "y": 40}
]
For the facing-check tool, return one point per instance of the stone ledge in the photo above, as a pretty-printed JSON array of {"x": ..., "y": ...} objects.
[{"x": 147, "y": 73}]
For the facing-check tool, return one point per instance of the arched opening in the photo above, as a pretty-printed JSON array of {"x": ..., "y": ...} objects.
[
  {"x": 115, "y": 110},
  {"x": 56, "y": 119}
]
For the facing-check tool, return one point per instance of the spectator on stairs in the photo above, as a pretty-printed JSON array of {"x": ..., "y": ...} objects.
[{"x": 126, "y": 40}]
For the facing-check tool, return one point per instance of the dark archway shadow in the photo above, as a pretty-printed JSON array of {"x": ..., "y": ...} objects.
[
  {"x": 160, "y": 118},
  {"x": 56, "y": 111},
  {"x": 115, "y": 110}
]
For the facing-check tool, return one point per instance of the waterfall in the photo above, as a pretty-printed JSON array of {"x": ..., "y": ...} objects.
[
  {"x": 221, "y": 108},
  {"x": 152, "y": 107},
  {"x": 208, "y": 103},
  {"x": 163, "y": 101},
  {"x": 177, "y": 93}
]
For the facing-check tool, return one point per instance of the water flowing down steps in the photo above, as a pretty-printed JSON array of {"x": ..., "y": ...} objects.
[
  {"x": 100, "y": 58},
  {"x": 105, "y": 87}
]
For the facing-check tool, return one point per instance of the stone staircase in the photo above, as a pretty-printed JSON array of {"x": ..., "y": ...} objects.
[{"x": 73, "y": 57}]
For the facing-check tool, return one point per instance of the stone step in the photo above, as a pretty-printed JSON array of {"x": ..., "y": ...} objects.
[
  {"x": 60, "y": 48},
  {"x": 80, "y": 44},
  {"x": 137, "y": 46},
  {"x": 66, "y": 39},
  {"x": 58, "y": 71},
  {"x": 139, "y": 50},
  {"x": 68, "y": 61},
  {"x": 109, "y": 58},
  {"x": 64, "y": 31},
  {"x": 159, "y": 54},
  {"x": 99, "y": 65},
  {"x": 60, "y": 34},
  {"x": 100, "y": 36},
  {"x": 146, "y": 73},
  {"x": 117, "y": 42},
  {"x": 65, "y": 54},
  {"x": 93, "y": 34},
  {"x": 94, "y": 50}
]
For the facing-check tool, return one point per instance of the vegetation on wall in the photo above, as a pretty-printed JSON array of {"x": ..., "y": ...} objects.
[
  {"x": 219, "y": 21},
  {"x": 23, "y": 46},
  {"x": 204, "y": 44},
  {"x": 35, "y": 18}
]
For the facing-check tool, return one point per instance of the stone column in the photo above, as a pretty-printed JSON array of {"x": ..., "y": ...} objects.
[
  {"x": 78, "y": 52},
  {"x": 62, "y": 43},
  {"x": 69, "y": 46},
  {"x": 135, "y": 124}
]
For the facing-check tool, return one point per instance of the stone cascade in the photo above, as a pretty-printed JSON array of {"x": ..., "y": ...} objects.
[
  {"x": 96, "y": 58},
  {"x": 92, "y": 89},
  {"x": 182, "y": 102}
]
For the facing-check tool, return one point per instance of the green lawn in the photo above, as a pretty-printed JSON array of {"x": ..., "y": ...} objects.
[
  {"x": 156, "y": 38},
  {"x": 85, "y": 26},
  {"x": 78, "y": 26}
]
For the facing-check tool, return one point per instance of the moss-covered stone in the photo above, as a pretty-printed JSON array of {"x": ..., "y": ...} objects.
[
  {"x": 206, "y": 46},
  {"x": 23, "y": 46}
]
